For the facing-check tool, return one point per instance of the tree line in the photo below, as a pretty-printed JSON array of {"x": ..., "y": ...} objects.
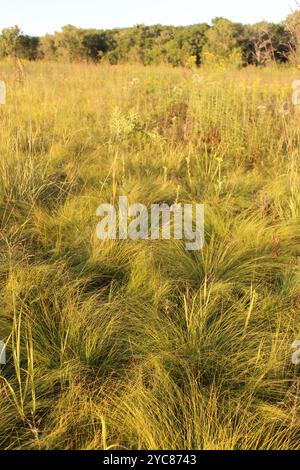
[{"x": 222, "y": 42}]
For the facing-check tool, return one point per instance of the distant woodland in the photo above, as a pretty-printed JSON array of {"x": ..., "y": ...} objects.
[{"x": 222, "y": 42}]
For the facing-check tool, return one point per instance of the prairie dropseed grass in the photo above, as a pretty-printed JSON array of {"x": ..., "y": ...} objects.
[{"x": 144, "y": 345}]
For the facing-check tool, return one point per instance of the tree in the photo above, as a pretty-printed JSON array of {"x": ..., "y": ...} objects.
[
  {"x": 224, "y": 43},
  {"x": 28, "y": 47},
  {"x": 9, "y": 43},
  {"x": 96, "y": 44},
  {"x": 191, "y": 40},
  {"x": 225, "y": 39},
  {"x": 70, "y": 43},
  {"x": 267, "y": 42},
  {"x": 48, "y": 47},
  {"x": 173, "y": 54},
  {"x": 293, "y": 26},
  {"x": 20, "y": 46}
]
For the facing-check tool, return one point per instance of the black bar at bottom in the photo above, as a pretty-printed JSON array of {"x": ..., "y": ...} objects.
[{"x": 138, "y": 459}]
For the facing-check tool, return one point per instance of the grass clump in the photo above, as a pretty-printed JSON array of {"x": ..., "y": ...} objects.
[{"x": 145, "y": 345}]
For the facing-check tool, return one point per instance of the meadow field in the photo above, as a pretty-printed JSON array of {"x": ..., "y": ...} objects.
[{"x": 144, "y": 345}]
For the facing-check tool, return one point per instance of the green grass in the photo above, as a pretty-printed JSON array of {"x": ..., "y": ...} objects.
[{"x": 143, "y": 345}]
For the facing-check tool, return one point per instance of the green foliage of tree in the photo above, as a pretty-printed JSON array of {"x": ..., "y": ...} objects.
[
  {"x": 96, "y": 44},
  {"x": 225, "y": 42},
  {"x": 48, "y": 47},
  {"x": 9, "y": 42},
  {"x": 70, "y": 43},
  {"x": 194, "y": 40},
  {"x": 225, "y": 39},
  {"x": 14, "y": 43},
  {"x": 28, "y": 47}
]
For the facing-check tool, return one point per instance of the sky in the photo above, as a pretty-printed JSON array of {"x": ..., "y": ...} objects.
[{"x": 37, "y": 17}]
